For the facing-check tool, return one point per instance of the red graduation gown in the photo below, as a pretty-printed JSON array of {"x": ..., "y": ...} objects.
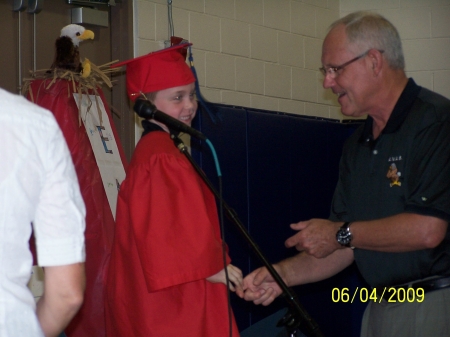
[{"x": 167, "y": 242}]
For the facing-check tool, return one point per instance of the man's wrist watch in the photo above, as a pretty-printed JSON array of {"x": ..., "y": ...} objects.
[{"x": 344, "y": 236}]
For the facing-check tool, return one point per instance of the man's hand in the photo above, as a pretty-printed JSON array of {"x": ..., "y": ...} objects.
[
  {"x": 316, "y": 237},
  {"x": 260, "y": 287}
]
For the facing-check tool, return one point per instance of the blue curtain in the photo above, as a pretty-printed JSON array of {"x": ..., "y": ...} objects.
[{"x": 278, "y": 169}]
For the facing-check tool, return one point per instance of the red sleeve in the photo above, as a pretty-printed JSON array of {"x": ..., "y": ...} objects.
[{"x": 174, "y": 220}]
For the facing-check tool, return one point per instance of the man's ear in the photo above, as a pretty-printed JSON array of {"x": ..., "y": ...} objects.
[{"x": 376, "y": 59}]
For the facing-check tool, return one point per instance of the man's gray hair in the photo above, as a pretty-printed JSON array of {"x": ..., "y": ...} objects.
[{"x": 367, "y": 30}]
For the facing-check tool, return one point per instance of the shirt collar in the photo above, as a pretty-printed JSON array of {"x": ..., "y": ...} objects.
[{"x": 398, "y": 115}]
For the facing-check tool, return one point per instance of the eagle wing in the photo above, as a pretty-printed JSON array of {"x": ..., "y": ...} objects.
[{"x": 67, "y": 56}]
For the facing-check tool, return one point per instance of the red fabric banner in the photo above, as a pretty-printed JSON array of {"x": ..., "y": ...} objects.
[{"x": 58, "y": 98}]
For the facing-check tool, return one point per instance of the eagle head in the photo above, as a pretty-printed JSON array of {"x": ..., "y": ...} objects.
[
  {"x": 76, "y": 33},
  {"x": 67, "y": 55}
]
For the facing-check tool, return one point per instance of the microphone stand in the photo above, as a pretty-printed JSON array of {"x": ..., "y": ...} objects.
[{"x": 296, "y": 318}]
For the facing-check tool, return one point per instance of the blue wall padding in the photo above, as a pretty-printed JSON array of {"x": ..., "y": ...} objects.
[{"x": 278, "y": 169}]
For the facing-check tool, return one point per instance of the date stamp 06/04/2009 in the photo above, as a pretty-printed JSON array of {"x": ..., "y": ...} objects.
[{"x": 390, "y": 294}]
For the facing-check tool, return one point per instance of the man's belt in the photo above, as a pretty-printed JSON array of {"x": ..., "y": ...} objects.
[{"x": 427, "y": 285}]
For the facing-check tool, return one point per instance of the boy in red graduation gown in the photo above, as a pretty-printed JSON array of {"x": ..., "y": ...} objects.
[{"x": 166, "y": 275}]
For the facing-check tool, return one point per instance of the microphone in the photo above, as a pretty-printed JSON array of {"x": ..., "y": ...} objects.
[{"x": 147, "y": 110}]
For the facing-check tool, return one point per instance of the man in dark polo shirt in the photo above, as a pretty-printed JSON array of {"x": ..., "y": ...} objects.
[{"x": 391, "y": 207}]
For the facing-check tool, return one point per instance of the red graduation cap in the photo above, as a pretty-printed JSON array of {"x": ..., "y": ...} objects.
[{"x": 162, "y": 69}]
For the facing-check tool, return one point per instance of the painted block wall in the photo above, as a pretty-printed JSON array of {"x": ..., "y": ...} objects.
[
  {"x": 265, "y": 54},
  {"x": 424, "y": 26}
]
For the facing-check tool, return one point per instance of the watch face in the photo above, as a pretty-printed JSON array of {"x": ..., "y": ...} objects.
[{"x": 343, "y": 236}]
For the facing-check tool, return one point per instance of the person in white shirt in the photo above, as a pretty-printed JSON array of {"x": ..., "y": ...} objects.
[{"x": 39, "y": 192}]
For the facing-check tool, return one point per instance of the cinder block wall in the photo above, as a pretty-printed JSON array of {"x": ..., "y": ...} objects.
[
  {"x": 266, "y": 53},
  {"x": 424, "y": 26}
]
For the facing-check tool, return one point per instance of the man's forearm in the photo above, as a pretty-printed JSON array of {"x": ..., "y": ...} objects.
[
  {"x": 53, "y": 318},
  {"x": 399, "y": 233},
  {"x": 63, "y": 297},
  {"x": 304, "y": 268}
]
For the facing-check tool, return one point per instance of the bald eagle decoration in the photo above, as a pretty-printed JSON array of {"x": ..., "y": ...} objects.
[
  {"x": 67, "y": 55},
  {"x": 58, "y": 90}
]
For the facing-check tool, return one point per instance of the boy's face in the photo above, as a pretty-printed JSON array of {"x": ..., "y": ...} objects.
[{"x": 178, "y": 102}]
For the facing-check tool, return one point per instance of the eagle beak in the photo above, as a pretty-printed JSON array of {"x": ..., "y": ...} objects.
[{"x": 87, "y": 34}]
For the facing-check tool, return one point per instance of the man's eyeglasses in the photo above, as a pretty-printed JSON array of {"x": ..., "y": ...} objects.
[{"x": 334, "y": 71}]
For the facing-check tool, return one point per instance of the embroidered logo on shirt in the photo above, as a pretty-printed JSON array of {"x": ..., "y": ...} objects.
[
  {"x": 394, "y": 175},
  {"x": 394, "y": 158}
]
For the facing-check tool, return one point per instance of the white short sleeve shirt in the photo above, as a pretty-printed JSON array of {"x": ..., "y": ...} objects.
[{"x": 38, "y": 188}]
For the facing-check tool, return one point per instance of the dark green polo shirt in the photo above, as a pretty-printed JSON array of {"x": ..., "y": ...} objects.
[{"x": 407, "y": 169}]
